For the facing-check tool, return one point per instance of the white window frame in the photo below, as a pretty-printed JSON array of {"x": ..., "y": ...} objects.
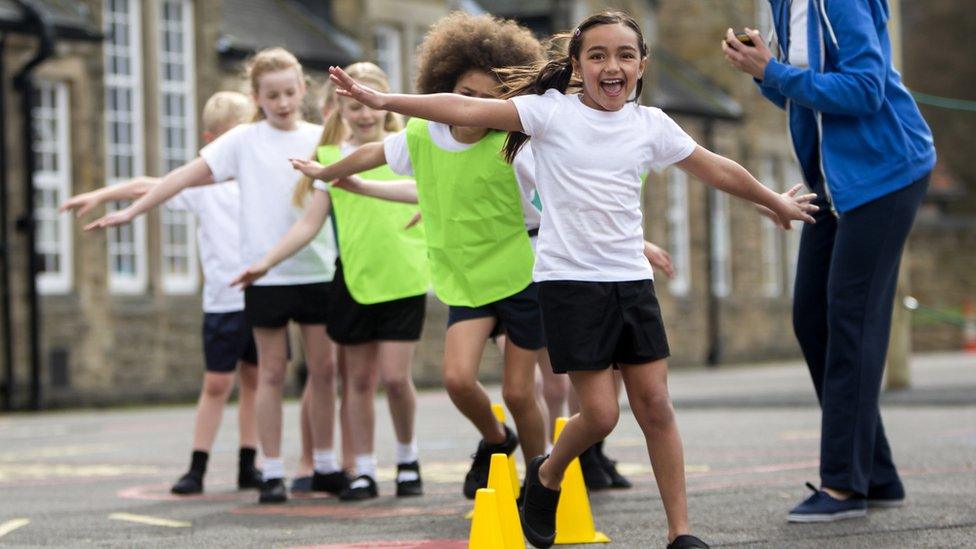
[
  {"x": 792, "y": 175},
  {"x": 387, "y": 43},
  {"x": 772, "y": 244},
  {"x": 125, "y": 241},
  {"x": 720, "y": 254},
  {"x": 679, "y": 232},
  {"x": 53, "y": 113},
  {"x": 186, "y": 281}
]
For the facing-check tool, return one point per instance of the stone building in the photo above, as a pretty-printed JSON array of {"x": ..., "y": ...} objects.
[{"x": 121, "y": 95}]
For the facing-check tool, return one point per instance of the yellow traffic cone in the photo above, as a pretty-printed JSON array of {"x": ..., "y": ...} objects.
[
  {"x": 516, "y": 486},
  {"x": 486, "y": 528},
  {"x": 499, "y": 412},
  {"x": 500, "y": 481},
  {"x": 574, "y": 520}
]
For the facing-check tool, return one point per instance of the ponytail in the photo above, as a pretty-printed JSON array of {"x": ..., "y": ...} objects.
[{"x": 556, "y": 74}]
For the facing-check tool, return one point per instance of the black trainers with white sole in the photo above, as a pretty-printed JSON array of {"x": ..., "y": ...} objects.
[{"x": 477, "y": 476}]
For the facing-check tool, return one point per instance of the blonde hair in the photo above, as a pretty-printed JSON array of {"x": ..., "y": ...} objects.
[
  {"x": 226, "y": 109},
  {"x": 271, "y": 60},
  {"x": 335, "y": 129}
]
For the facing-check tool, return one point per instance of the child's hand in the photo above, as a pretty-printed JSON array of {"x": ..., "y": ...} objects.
[
  {"x": 793, "y": 208},
  {"x": 81, "y": 203},
  {"x": 249, "y": 275},
  {"x": 308, "y": 167},
  {"x": 659, "y": 258},
  {"x": 347, "y": 87},
  {"x": 413, "y": 220},
  {"x": 114, "y": 219}
]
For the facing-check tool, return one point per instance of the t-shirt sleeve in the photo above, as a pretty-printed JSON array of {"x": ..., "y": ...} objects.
[
  {"x": 221, "y": 155},
  {"x": 535, "y": 111},
  {"x": 181, "y": 202},
  {"x": 670, "y": 143},
  {"x": 320, "y": 185},
  {"x": 397, "y": 153}
]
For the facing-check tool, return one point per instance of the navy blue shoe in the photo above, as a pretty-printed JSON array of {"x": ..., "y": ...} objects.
[
  {"x": 301, "y": 484},
  {"x": 821, "y": 507},
  {"x": 887, "y": 496}
]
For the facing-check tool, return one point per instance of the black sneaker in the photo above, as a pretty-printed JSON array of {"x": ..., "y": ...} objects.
[
  {"x": 687, "y": 541},
  {"x": 361, "y": 487},
  {"x": 333, "y": 483},
  {"x": 249, "y": 479},
  {"x": 408, "y": 481},
  {"x": 538, "y": 511},
  {"x": 594, "y": 472},
  {"x": 189, "y": 484},
  {"x": 610, "y": 466},
  {"x": 273, "y": 491},
  {"x": 477, "y": 476}
]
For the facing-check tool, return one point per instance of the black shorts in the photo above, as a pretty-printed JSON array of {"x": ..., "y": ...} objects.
[
  {"x": 351, "y": 323},
  {"x": 227, "y": 339},
  {"x": 274, "y": 306},
  {"x": 593, "y": 325},
  {"x": 518, "y": 317}
]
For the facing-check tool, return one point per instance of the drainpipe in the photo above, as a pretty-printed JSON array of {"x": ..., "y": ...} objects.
[
  {"x": 35, "y": 17},
  {"x": 712, "y": 320},
  {"x": 6, "y": 338}
]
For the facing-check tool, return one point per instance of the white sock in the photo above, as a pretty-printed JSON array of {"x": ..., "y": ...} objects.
[
  {"x": 366, "y": 465},
  {"x": 406, "y": 453},
  {"x": 325, "y": 461},
  {"x": 273, "y": 468}
]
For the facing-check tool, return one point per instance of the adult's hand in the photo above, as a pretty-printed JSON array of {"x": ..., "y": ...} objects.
[{"x": 748, "y": 59}]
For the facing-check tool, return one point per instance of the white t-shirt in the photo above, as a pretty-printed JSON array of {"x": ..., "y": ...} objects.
[
  {"x": 798, "y": 55},
  {"x": 398, "y": 159},
  {"x": 218, "y": 241},
  {"x": 256, "y": 155},
  {"x": 588, "y": 167}
]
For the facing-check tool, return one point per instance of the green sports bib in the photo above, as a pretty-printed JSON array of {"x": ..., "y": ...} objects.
[
  {"x": 381, "y": 260},
  {"x": 478, "y": 248}
]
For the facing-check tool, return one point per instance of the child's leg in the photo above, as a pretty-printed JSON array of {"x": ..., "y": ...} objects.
[
  {"x": 319, "y": 357},
  {"x": 305, "y": 424},
  {"x": 362, "y": 377},
  {"x": 596, "y": 419},
  {"x": 272, "y": 344},
  {"x": 518, "y": 391},
  {"x": 345, "y": 412},
  {"x": 210, "y": 408},
  {"x": 647, "y": 392},
  {"x": 555, "y": 392},
  {"x": 395, "y": 360},
  {"x": 246, "y": 420},
  {"x": 463, "y": 346}
]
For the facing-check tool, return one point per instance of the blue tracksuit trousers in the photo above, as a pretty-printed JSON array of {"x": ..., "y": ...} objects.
[{"x": 846, "y": 275}]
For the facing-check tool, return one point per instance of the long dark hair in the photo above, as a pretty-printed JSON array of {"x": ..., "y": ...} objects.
[{"x": 558, "y": 72}]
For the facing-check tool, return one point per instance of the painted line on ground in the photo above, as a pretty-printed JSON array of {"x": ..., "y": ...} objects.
[
  {"x": 13, "y": 524},
  {"x": 152, "y": 521}
]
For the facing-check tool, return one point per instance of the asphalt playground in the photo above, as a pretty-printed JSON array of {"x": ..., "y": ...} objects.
[{"x": 100, "y": 478}]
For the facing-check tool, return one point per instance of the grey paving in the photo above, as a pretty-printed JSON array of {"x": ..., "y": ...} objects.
[{"x": 750, "y": 435}]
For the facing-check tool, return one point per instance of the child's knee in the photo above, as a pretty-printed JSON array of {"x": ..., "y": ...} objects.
[
  {"x": 517, "y": 397},
  {"x": 218, "y": 386},
  {"x": 602, "y": 419},
  {"x": 656, "y": 408},
  {"x": 457, "y": 382},
  {"x": 396, "y": 385}
]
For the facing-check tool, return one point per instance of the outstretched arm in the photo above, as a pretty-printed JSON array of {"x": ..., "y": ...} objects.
[
  {"x": 366, "y": 157},
  {"x": 727, "y": 175},
  {"x": 394, "y": 191},
  {"x": 297, "y": 237},
  {"x": 130, "y": 190},
  {"x": 447, "y": 108},
  {"x": 192, "y": 174}
]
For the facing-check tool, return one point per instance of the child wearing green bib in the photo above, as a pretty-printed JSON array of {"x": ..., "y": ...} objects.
[
  {"x": 475, "y": 215},
  {"x": 378, "y": 299}
]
